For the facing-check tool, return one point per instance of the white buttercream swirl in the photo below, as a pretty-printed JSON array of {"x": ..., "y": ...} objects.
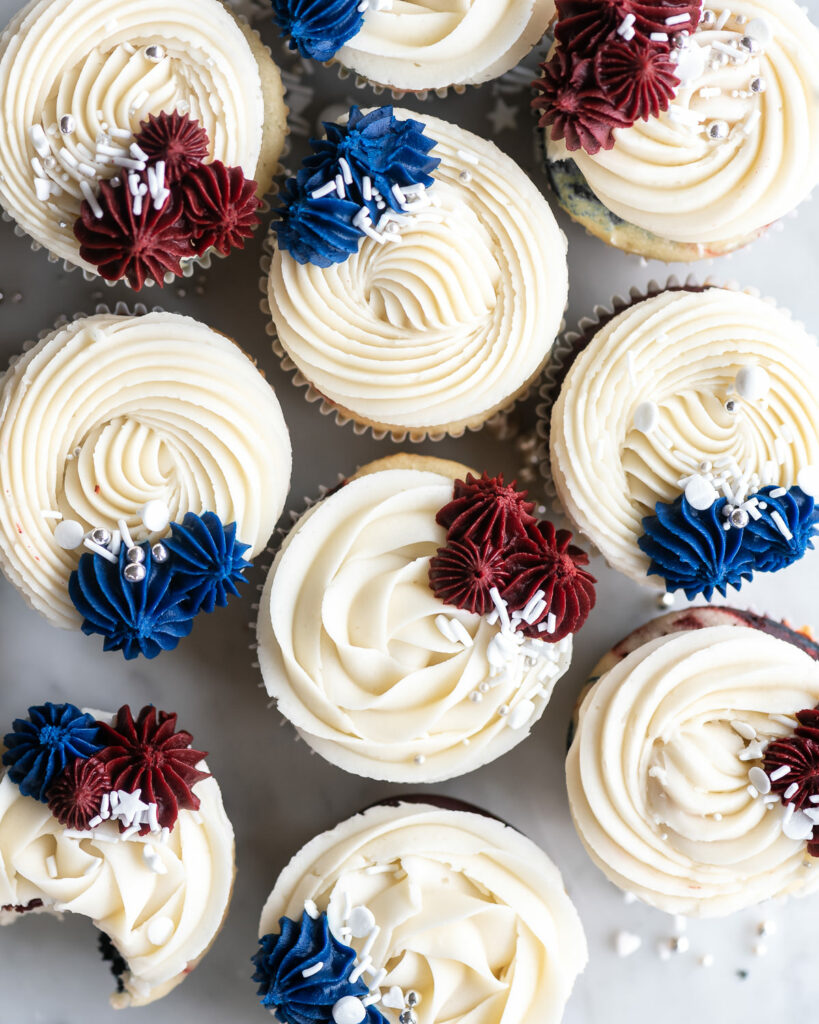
[
  {"x": 449, "y": 323},
  {"x": 432, "y": 44},
  {"x": 657, "y": 788},
  {"x": 87, "y": 59},
  {"x": 161, "y": 923},
  {"x": 472, "y": 915},
  {"x": 681, "y": 351},
  {"x": 668, "y": 176},
  {"x": 350, "y": 649},
  {"x": 110, "y": 412}
]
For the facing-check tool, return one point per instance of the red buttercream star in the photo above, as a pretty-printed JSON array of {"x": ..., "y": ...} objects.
[
  {"x": 575, "y": 107},
  {"x": 175, "y": 138},
  {"x": 486, "y": 510},
  {"x": 462, "y": 574},
  {"x": 640, "y": 81},
  {"x": 122, "y": 244},
  {"x": 584, "y": 24},
  {"x": 547, "y": 560},
  {"x": 75, "y": 796},
  {"x": 151, "y": 756},
  {"x": 800, "y": 753},
  {"x": 220, "y": 205}
]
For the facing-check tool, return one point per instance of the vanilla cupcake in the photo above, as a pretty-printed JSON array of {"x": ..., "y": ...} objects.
[
  {"x": 418, "y": 914},
  {"x": 116, "y": 818},
  {"x": 112, "y": 427},
  {"x": 680, "y": 132},
  {"x": 137, "y": 138},
  {"x": 417, "y": 279},
  {"x": 416, "y": 45},
  {"x": 692, "y": 773},
  {"x": 683, "y": 441},
  {"x": 416, "y": 619}
]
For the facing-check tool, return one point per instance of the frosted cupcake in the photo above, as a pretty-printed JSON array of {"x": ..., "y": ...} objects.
[
  {"x": 415, "y": 621},
  {"x": 416, "y": 45},
  {"x": 680, "y": 132},
  {"x": 116, "y": 818},
  {"x": 418, "y": 914},
  {"x": 418, "y": 278},
  {"x": 143, "y": 462},
  {"x": 137, "y": 139},
  {"x": 683, "y": 441},
  {"x": 692, "y": 775}
]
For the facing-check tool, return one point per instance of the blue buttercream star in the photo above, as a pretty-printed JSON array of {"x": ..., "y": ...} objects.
[
  {"x": 208, "y": 561},
  {"x": 318, "y": 28}
]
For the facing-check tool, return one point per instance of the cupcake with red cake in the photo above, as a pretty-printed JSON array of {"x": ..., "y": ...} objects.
[
  {"x": 416, "y": 619},
  {"x": 680, "y": 130},
  {"x": 136, "y": 141}
]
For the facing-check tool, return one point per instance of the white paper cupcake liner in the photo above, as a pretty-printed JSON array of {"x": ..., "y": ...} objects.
[
  {"x": 566, "y": 348},
  {"x": 400, "y": 435}
]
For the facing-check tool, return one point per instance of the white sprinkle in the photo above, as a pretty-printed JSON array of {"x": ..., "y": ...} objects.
[
  {"x": 470, "y": 158},
  {"x": 677, "y": 19},
  {"x": 461, "y": 633},
  {"x": 128, "y": 163},
  {"x": 752, "y": 121},
  {"x": 781, "y": 525},
  {"x": 125, "y": 533},
  {"x": 706, "y": 960},
  {"x": 345, "y": 171},
  {"x": 646, "y": 416},
  {"x": 723, "y": 19},
  {"x": 751, "y": 752},
  {"x": 366, "y": 188},
  {"x": 308, "y": 972},
  {"x": 791, "y": 791},
  {"x": 780, "y": 773},
  {"x": 160, "y": 930},
  {"x": 119, "y": 133},
  {"x": 42, "y": 188},
  {"x": 361, "y": 922},
  {"x": 155, "y": 515},
  {"x": 753, "y": 792},
  {"x": 659, "y": 37},
  {"x": 39, "y": 140},
  {"x": 51, "y": 866},
  {"x": 98, "y": 549},
  {"x": 627, "y": 943},
  {"x": 360, "y": 968},
  {"x": 50, "y": 513},
  {"x": 520, "y": 714},
  {"x": 759, "y": 780},
  {"x": 311, "y": 910},
  {"x": 137, "y": 152},
  {"x": 95, "y": 822},
  {"x": 500, "y": 607},
  {"x": 444, "y": 627},
  {"x": 551, "y": 622},
  {"x": 746, "y": 731},
  {"x": 625, "y": 28},
  {"x": 90, "y": 198}
]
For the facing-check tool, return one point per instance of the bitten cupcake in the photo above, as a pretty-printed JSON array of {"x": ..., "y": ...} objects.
[
  {"x": 683, "y": 441},
  {"x": 416, "y": 619},
  {"x": 415, "y": 913},
  {"x": 692, "y": 774},
  {"x": 678, "y": 131},
  {"x": 143, "y": 462},
  {"x": 116, "y": 818},
  {"x": 136, "y": 139},
  {"x": 418, "y": 278},
  {"x": 416, "y": 45}
]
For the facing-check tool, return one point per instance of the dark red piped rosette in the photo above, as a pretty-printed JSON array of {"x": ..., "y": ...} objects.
[
  {"x": 493, "y": 540},
  {"x": 208, "y": 205},
  {"x": 800, "y": 753},
  {"x": 598, "y": 79}
]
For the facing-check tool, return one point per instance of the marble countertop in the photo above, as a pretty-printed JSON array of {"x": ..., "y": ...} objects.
[{"x": 276, "y": 793}]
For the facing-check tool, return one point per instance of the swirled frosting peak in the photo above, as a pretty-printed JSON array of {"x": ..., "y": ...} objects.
[
  {"x": 112, "y": 413},
  {"x": 318, "y": 30},
  {"x": 157, "y": 893},
  {"x": 451, "y": 914},
  {"x": 377, "y": 673},
  {"x": 665, "y": 772}
]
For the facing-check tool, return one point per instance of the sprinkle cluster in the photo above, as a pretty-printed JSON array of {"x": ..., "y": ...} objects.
[
  {"x": 140, "y": 773},
  {"x": 495, "y": 546},
  {"x": 168, "y": 204},
  {"x": 362, "y": 180},
  {"x": 142, "y": 598},
  {"x": 615, "y": 63}
]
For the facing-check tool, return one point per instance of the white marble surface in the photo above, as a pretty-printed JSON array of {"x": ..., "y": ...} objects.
[{"x": 277, "y": 794}]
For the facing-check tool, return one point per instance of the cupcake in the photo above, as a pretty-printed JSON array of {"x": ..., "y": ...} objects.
[
  {"x": 136, "y": 139},
  {"x": 416, "y": 619},
  {"x": 116, "y": 818},
  {"x": 692, "y": 774},
  {"x": 418, "y": 278},
  {"x": 115, "y": 429},
  {"x": 419, "y": 914},
  {"x": 680, "y": 132},
  {"x": 683, "y": 440},
  {"x": 416, "y": 47}
]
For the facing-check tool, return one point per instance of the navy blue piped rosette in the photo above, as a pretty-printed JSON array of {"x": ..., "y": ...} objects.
[
  {"x": 303, "y": 971},
  {"x": 693, "y": 551},
  {"x": 204, "y": 563},
  {"x": 319, "y": 28},
  {"x": 352, "y": 178}
]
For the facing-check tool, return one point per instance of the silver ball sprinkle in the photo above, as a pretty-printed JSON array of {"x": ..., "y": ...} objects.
[
  {"x": 503, "y": 710},
  {"x": 66, "y": 124},
  {"x": 749, "y": 44},
  {"x": 465, "y": 176},
  {"x": 154, "y": 53},
  {"x": 476, "y": 697},
  {"x": 413, "y": 999},
  {"x": 407, "y": 1017},
  {"x": 134, "y": 572},
  {"x": 159, "y": 552},
  {"x": 101, "y": 536},
  {"x": 135, "y": 555},
  {"x": 718, "y": 130},
  {"x": 731, "y": 406},
  {"x": 483, "y": 687},
  {"x": 739, "y": 518},
  {"x": 708, "y": 18},
  {"x": 758, "y": 85}
]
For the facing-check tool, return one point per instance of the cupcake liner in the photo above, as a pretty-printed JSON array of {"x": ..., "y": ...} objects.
[
  {"x": 361, "y": 82},
  {"x": 415, "y": 435},
  {"x": 570, "y": 343}
]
